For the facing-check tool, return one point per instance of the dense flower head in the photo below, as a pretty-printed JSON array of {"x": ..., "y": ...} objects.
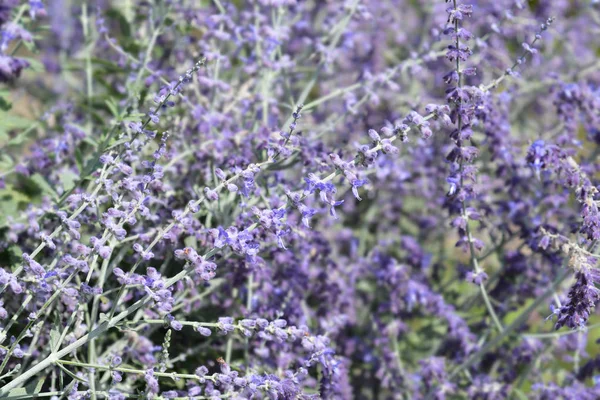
[{"x": 582, "y": 299}]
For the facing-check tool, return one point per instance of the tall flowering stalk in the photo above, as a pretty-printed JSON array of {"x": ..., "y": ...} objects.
[{"x": 464, "y": 100}]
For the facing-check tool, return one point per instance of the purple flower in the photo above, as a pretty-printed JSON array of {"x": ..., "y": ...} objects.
[
  {"x": 151, "y": 382},
  {"x": 203, "y": 331},
  {"x": 477, "y": 278},
  {"x": 355, "y": 185},
  {"x": 583, "y": 297}
]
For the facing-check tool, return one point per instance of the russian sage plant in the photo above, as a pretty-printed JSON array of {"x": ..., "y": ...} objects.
[{"x": 299, "y": 199}]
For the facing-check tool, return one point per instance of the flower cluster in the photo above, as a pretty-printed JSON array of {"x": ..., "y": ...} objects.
[
  {"x": 12, "y": 35},
  {"x": 283, "y": 199}
]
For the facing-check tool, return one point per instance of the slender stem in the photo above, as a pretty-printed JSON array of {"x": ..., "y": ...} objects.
[
  {"x": 250, "y": 294},
  {"x": 473, "y": 256},
  {"x": 170, "y": 375},
  {"x": 577, "y": 356},
  {"x": 89, "y": 71},
  {"x": 228, "y": 349},
  {"x": 63, "y": 393},
  {"x": 474, "y": 357},
  {"x": 556, "y": 335},
  {"x": 518, "y": 61},
  {"x": 14, "y": 318},
  {"x": 30, "y": 323}
]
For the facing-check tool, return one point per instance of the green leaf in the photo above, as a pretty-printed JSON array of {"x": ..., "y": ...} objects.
[
  {"x": 190, "y": 241},
  {"x": 68, "y": 179},
  {"x": 5, "y": 162},
  {"x": 16, "y": 253},
  {"x": 123, "y": 23},
  {"x": 169, "y": 21},
  {"x": 44, "y": 186},
  {"x": 35, "y": 64},
  {"x": 103, "y": 318},
  {"x": 30, "y": 44},
  {"x": 91, "y": 141},
  {"x": 117, "y": 143},
  {"x": 5, "y": 104},
  {"x": 281, "y": 165},
  {"x": 28, "y": 392},
  {"x": 9, "y": 121},
  {"x": 10, "y": 201},
  {"x": 72, "y": 375},
  {"x": 112, "y": 106},
  {"x": 78, "y": 159},
  {"x": 54, "y": 338},
  {"x": 22, "y": 137},
  {"x": 107, "y": 65},
  {"x": 136, "y": 117}
]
